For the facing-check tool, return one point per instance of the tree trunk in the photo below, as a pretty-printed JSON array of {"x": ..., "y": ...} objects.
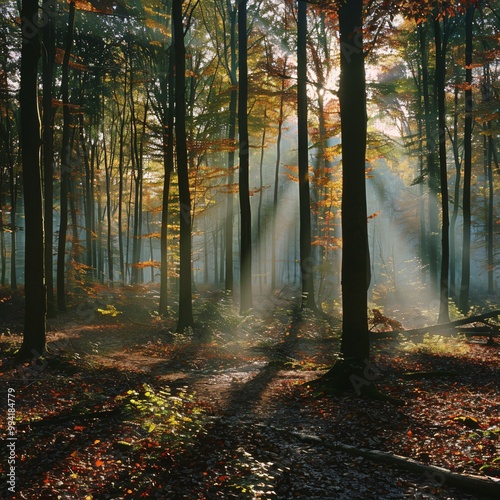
[
  {"x": 48, "y": 149},
  {"x": 121, "y": 173},
  {"x": 244, "y": 156},
  {"x": 35, "y": 293},
  {"x": 66, "y": 159},
  {"x": 352, "y": 94},
  {"x": 490, "y": 254},
  {"x": 432, "y": 175},
  {"x": 6, "y": 132},
  {"x": 185, "y": 280},
  {"x": 261, "y": 244},
  {"x": 456, "y": 196},
  {"x": 168, "y": 167},
  {"x": 440, "y": 44},
  {"x": 463, "y": 302},
  {"x": 231, "y": 135},
  {"x": 306, "y": 258},
  {"x": 281, "y": 119},
  {"x": 108, "y": 170}
]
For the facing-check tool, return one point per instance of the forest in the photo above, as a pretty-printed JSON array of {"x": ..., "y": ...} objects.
[{"x": 250, "y": 249}]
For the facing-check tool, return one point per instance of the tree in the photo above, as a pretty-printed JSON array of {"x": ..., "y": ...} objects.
[
  {"x": 49, "y": 54},
  {"x": 352, "y": 95},
  {"x": 185, "y": 319},
  {"x": 244, "y": 156},
  {"x": 441, "y": 41},
  {"x": 35, "y": 293},
  {"x": 349, "y": 372},
  {"x": 306, "y": 258},
  {"x": 463, "y": 301},
  {"x": 66, "y": 164}
]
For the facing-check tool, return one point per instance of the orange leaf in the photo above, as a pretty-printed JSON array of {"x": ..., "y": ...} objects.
[{"x": 99, "y": 463}]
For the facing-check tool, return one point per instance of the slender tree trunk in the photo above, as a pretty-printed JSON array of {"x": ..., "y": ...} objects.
[
  {"x": 108, "y": 167},
  {"x": 185, "y": 280},
  {"x": 88, "y": 199},
  {"x": 35, "y": 292},
  {"x": 281, "y": 119},
  {"x": 440, "y": 44},
  {"x": 260, "y": 235},
  {"x": 244, "y": 156},
  {"x": 137, "y": 155},
  {"x": 231, "y": 135},
  {"x": 48, "y": 148},
  {"x": 6, "y": 132},
  {"x": 66, "y": 160},
  {"x": 352, "y": 94},
  {"x": 168, "y": 167},
  {"x": 490, "y": 253},
  {"x": 306, "y": 258},
  {"x": 121, "y": 180},
  {"x": 456, "y": 197},
  {"x": 431, "y": 164},
  {"x": 421, "y": 159},
  {"x": 463, "y": 302}
]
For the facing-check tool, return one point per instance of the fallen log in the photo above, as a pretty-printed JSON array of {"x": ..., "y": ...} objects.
[
  {"x": 441, "y": 327},
  {"x": 438, "y": 476}
]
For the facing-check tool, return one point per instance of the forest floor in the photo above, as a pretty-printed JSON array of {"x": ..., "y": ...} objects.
[{"x": 121, "y": 407}]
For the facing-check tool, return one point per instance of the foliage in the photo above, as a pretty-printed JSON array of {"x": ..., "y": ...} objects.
[{"x": 172, "y": 418}]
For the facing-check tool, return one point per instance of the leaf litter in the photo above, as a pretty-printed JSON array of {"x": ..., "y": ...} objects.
[{"x": 148, "y": 415}]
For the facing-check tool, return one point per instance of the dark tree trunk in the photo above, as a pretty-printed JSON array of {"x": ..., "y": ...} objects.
[
  {"x": 306, "y": 258},
  {"x": 432, "y": 175},
  {"x": 490, "y": 235},
  {"x": 281, "y": 119},
  {"x": 108, "y": 170},
  {"x": 48, "y": 148},
  {"x": 440, "y": 44},
  {"x": 231, "y": 135},
  {"x": 88, "y": 198},
  {"x": 35, "y": 292},
  {"x": 66, "y": 159},
  {"x": 185, "y": 282},
  {"x": 168, "y": 167},
  {"x": 421, "y": 160},
  {"x": 121, "y": 180},
  {"x": 352, "y": 95},
  {"x": 463, "y": 302},
  {"x": 244, "y": 156},
  {"x": 261, "y": 244},
  {"x": 7, "y": 136}
]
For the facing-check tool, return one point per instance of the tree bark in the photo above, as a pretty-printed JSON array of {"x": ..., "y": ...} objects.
[
  {"x": 231, "y": 135},
  {"x": 463, "y": 302},
  {"x": 432, "y": 175},
  {"x": 440, "y": 73},
  {"x": 281, "y": 119},
  {"x": 306, "y": 258},
  {"x": 35, "y": 292},
  {"x": 168, "y": 167},
  {"x": 244, "y": 156},
  {"x": 185, "y": 319},
  {"x": 352, "y": 94},
  {"x": 48, "y": 149},
  {"x": 66, "y": 159}
]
